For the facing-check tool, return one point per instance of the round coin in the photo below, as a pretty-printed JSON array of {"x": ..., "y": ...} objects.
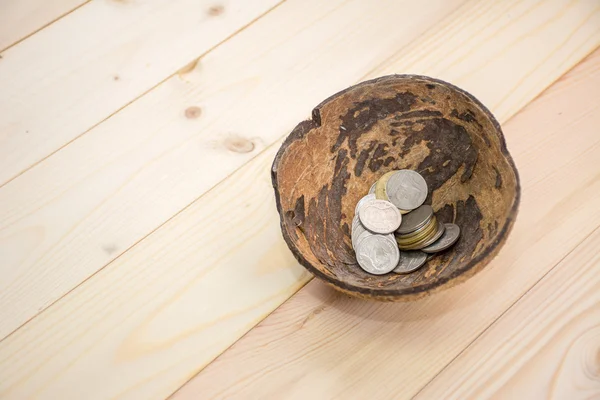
[
  {"x": 357, "y": 230},
  {"x": 365, "y": 233},
  {"x": 380, "y": 216},
  {"x": 359, "y": 238},
  {"x": 362, "y": 201},
  {"x": 372, "y": 190},
  {"x": 406, "y": 189},
  {"x": 449, "y": 237},
  {"x": 415, "y": 219},
  {"x": 381, "y": 184},
  {"x": 377, "y": 254},
  {"x": 419, "y": 236},
  {"x": 440, "y": 231},
  {"x": 410, "y": 261}
]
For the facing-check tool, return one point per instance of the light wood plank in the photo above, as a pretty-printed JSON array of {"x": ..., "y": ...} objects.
[
  {"x": 545, "y": 347},
  {"x": 120, "y": 181},
  {"x": 21, "y": 18},
  {"x": 142, "y": 327},
  {"x": 75, "y": 73},
  {"x": 321, "y": 344},
  {"x": 144, "y": 323},
  {"x": 65, "y": 219}
]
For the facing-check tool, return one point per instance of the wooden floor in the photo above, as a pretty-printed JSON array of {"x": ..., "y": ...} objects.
[{"x": 140, "y": 251}]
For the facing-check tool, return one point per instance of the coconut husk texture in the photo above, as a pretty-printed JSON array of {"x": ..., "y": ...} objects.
[{"x": 329, "y": 162}]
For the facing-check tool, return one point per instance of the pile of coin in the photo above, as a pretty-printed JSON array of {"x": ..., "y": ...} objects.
[{"x": 393, "y": 230}]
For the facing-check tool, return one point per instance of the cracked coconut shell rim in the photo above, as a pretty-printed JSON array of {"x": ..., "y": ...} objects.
[{"x": 329, "y": 162}]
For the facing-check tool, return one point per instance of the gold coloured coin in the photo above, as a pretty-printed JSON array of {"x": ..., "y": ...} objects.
[
  {"x": 417, "y": 231},
  {"x": 424, "y": 234},
  {"x": 427, "y": 241},
  {"x": 380, "y": 192}
]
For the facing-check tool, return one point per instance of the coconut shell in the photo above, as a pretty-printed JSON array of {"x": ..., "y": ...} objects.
[{"x": 329, "y": 162}]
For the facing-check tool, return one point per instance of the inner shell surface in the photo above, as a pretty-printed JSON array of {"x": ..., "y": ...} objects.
[{"x": 360, "y": 134}]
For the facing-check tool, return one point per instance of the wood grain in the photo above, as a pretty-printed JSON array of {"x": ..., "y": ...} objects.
[
  {"x": 75, "y": 212},
  {"x": 77, "y": 72},
  {"x": 544, "y": 347},
  {"x": 158, "y": 314},
  {"x": 21, "y": 18},
  {"x": 71, "y": 215},
  {"x": 322, "y": 344},
  {"x": 566, "y": 31}
]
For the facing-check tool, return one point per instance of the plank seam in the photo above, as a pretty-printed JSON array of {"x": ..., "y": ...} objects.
[
  {"x": 497, "y": 320},
  {"x": 168, "y": 219},
  {"x": 44, "y": 26},
  {"x": 226, "y": 39}
]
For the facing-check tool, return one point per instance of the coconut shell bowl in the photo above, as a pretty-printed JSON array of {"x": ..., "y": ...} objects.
[{"x": 330, "y": 161}]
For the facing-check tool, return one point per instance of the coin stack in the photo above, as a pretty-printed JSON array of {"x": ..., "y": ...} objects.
[{"x": 393, "y": 230}]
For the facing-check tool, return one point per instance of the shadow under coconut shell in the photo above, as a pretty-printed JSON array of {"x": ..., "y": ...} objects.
[
  {"x": 329, "y": 298},
  {"x": 328, "y": 163}
]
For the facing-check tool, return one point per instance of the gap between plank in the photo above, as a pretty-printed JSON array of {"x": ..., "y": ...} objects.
[
  {"x": 495, "y": 321},
  {"x": 175, "y": 214},
  {"x": 127, "y": 104},
  {"x": 44, "y": 26},
  {"x": 276, "y": 142},
  {"x": 267, "y": 148},
  {"x": 143, "y": 238},
  {"x": 301, "y": 287}
]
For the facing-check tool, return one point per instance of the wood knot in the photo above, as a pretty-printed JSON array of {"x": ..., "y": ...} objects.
[
  {"x": 239, "y": 144},
  {"x": 193, "y": 112},
  {"x": 110, "y": 249},
  {"x": 216, "y": 10}
]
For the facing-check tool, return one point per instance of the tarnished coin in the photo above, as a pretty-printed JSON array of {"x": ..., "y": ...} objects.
[
  {"x": 377, "y": 254},
  {"x": 362, "y": 201},
  {"x": 406, "y": 189},
  {"x": 410, "y": 261},
  {"x": 380, "y": 216},
  {"x": 415, "y": 219},
  {"x": 449, "y": 237},
  {"x": 372, "y": 190},
  {"x": 380, "y": 185}
]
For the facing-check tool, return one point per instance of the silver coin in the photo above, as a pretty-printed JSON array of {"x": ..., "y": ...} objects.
[
  {"x": 406, "y": 189},
  {"x": 357, "y": 230},
  {"x": 415, "y": 219},
  {"x": 380, "y": 216},
  {"x": 377, "y": 254},
  {"x": 410, "y": 261},
  {"x": 439, "y": 233},
  {"x": 372, "y": 190},
  {"x": 360, "y": 236},
  {"x": 355, "y": 222},
  {"x": 362, "y": 201},
  {"x": 363, "y": 233},
  {"x": 450, "y": 236}
]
